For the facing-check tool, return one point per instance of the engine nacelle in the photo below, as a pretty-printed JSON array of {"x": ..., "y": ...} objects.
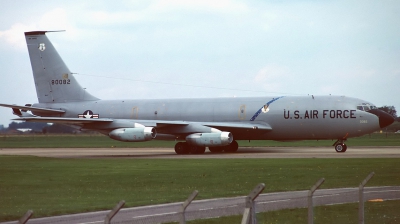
[
  {"x": 139, "y": 134},
  {"x": 210, "y": 139}
]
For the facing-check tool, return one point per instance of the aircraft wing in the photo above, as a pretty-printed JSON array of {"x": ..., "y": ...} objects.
[
  {"x": 64, "y": 120},
  {"x": 149, "y": 123},
  {"x": 34, "y": 109},
  {"x": 239, "y": 125},
  {"x": 218, "y": 125},
  {"x": 107, "y": 123}
]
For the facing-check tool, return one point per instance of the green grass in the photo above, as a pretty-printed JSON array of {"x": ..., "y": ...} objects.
[
  {"x": 375, "y": 212},
  {"x": 51, "y": 186},
  {"x": 101, "y": 141},
  {"x": 74, "y": 141}
]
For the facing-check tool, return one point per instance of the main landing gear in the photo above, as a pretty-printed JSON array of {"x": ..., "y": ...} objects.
[
  {"x": 185, "y": 148},
  {"x": 340, "y": 146}
]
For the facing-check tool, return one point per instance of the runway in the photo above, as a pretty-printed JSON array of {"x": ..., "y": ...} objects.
[{"x": 243, "y": 152}]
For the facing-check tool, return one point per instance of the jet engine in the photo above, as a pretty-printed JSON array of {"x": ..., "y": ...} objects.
[
  {"x": 139, "y": 134},
  {"x": 210, "y": 139}
]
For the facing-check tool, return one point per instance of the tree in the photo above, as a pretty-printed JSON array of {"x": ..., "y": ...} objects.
[
  {"x": 58, "y": 128},
  {"x": 35, "y": 126},
  {"x": 390, "y": 110}
]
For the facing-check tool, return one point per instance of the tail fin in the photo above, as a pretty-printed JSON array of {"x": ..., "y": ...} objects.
[{"x": 53, "y": 81}]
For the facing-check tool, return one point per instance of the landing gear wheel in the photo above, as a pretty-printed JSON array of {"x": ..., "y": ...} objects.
[
  {"x": 197, "y": 149},
  {"x": 341, "y": 147},
  {"x": 344, "y": 148},
  {"x": 181, "y": 148},
  {"x": 216, "y": 149},
  {"x": 233, "y": 147}
]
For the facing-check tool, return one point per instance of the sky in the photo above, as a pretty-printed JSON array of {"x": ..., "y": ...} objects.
[{"x": 207, "y": 48}]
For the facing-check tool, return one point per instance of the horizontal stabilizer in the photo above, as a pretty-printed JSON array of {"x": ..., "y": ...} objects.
[{"x": 34, "y": 109}]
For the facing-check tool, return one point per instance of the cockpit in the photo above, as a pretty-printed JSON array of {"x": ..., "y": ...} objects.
[{"x": 366, "y": 107}]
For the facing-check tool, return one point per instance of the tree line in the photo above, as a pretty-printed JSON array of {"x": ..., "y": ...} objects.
[{"x": 39, "y": 127}]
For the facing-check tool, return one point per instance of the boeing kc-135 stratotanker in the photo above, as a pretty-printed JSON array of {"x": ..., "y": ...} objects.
[{"x": 195, "y": 124}]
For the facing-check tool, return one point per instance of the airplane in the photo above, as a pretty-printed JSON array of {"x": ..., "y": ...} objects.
[{"x": 216, "y": 123}]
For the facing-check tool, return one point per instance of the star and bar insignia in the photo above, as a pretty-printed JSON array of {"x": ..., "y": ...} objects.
[{"x": 88, "y": 114}]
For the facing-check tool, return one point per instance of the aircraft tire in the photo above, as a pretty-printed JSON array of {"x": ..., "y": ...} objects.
[
  {"x": 216, "y": 149},
  {"x": 181, "y": 148},
  {"x": 344, "y": 147},
  {"x": 197, "y": 149},
  {"x": 233, "y": 147},
  {"x": 341, "y": 147}
]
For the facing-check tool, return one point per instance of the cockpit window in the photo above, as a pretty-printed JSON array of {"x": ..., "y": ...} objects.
[{"x": 366, "y": 107}]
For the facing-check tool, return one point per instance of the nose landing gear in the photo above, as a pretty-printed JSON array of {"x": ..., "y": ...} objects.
[{"x": 340, "y": 146}]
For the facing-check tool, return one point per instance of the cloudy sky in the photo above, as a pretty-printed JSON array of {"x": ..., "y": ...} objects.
[{"x": 207, "y": 48}]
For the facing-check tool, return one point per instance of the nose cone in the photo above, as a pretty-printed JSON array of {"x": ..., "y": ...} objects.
[{"x": 385, "y": 119}]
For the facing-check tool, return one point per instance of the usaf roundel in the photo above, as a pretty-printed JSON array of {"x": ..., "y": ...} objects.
[{"x": 88, "y": 114}]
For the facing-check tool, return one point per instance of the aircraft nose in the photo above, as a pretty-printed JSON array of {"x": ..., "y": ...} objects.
[{"x": 385, "y": 119}]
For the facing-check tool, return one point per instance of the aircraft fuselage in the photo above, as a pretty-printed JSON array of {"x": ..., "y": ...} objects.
[{"x": 291, "y": 117}]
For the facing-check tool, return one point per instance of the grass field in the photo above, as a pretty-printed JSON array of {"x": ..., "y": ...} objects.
[
  {"x": 101, "y": 141},
  {"x": 51, "y": 186}
]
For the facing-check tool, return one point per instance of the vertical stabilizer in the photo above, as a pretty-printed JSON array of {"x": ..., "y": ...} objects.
[{"x": 53, "y": 81}]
